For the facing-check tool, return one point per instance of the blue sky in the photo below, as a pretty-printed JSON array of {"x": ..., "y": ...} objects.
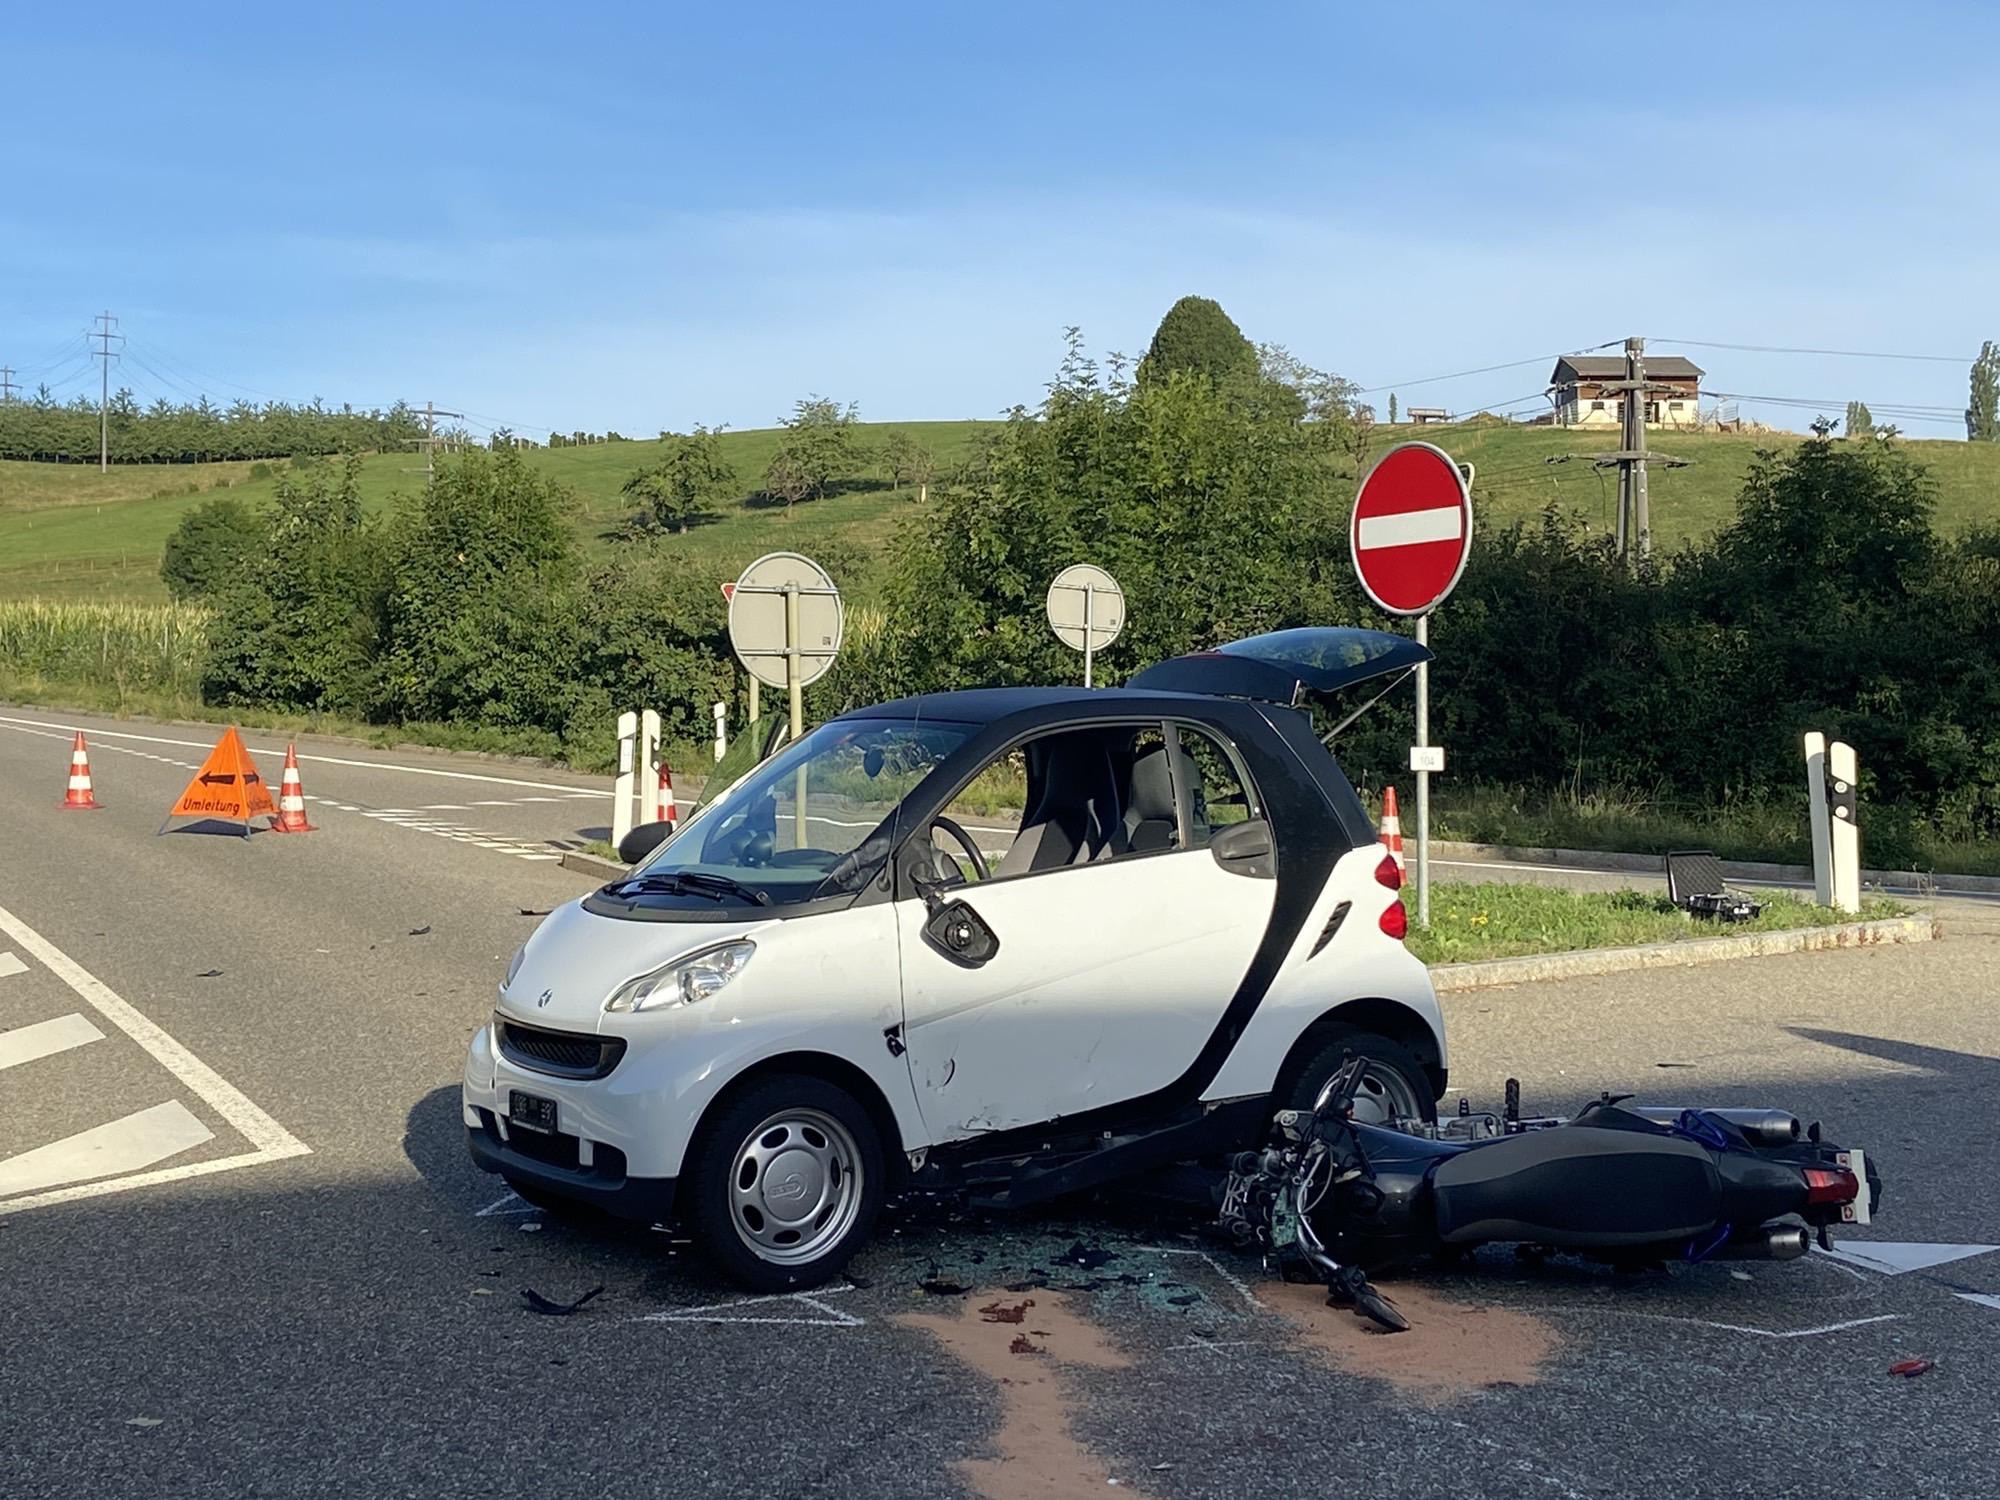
[{"x": 640, "y": 217}]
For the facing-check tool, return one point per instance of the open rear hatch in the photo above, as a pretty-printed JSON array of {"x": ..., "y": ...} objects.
[{"x": 1286, "y": 665}]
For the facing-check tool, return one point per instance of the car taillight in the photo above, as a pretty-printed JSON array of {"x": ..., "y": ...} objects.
[
  {"x": 1388, "y": 874},
  {"x": 1396, "y": 920},
  {"x": 1831, "y": 1185}
]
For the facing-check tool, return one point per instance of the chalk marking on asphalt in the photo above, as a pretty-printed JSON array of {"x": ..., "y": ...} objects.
[
  {"x": 1235, "y": 1282},
  {"x": 128, "y": 1145},
  {"x": 272, "y": 1142},
  {"x": 45, "y": 1039},
  {"x": 326, "y": 760},
  {"x": 10, "y": 965},
  {"x": 513, "y": 1203},
  {"x": 1984, "y": 1299},
  {"x": 730, "y": 1312},
  {"x": 1893, "y": 1258},
  {"x": 1763, "y": 1333}
]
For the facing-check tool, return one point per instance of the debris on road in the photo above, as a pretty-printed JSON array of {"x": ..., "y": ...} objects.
[
  {"x": 551, "y": 1309},
  {"x": 1000, "y": 1312},
  {"x": 1090, "y": 1257},
  {"x": 144, "y": 1421},
  {"x": 423, "y": 931},
  {"x": 209, "y": 974},
  {"x": 529, "y": 911},
  {"x": 1909, "y": 1369},
  {"x": 936, "y": 1286}
]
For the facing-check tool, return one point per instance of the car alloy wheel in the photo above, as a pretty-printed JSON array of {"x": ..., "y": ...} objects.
[{"x": 795, "y": 1186}]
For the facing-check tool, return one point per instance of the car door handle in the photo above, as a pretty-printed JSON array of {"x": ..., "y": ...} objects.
[{"x": 961, "y": 935}]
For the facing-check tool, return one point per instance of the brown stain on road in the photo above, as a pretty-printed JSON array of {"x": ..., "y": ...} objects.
[
  {"x": 1024, "y": 1346},
  {"x": 1449, "y": 1350}
]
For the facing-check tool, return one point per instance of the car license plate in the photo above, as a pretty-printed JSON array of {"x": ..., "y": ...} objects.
[{"x": 532, "y": 1112}]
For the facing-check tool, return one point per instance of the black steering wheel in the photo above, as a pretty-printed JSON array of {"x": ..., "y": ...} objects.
[{"x": 964, "y": 841}]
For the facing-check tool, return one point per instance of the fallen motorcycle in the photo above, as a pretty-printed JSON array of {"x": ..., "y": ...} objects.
[{"x": 1627, "y": 1184}]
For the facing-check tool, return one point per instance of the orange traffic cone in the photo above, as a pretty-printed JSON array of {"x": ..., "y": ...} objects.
[
  {"x": 291, "y": 798},
  {"x": 666, "y": 811},
  {"x": 1392, "y": 827},
  {"x": 79, "y": 794}
]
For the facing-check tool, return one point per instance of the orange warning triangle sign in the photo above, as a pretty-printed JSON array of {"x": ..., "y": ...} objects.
[{"x": 226, "y": 786}]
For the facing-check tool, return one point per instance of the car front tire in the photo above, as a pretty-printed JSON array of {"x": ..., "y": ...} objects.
[
  {"x": 785, "y": 1183},
  {"x": 1393, "y": 1084}
]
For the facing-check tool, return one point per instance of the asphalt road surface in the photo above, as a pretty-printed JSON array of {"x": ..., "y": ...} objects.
[{"x": 242, "y": 1251}]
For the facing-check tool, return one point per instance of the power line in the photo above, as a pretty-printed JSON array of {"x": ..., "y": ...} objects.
[
  {"x": 1482, "y": 370},
  {"x": 1941, "y": 359}
]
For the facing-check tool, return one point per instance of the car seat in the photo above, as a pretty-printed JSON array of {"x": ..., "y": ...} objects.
[{"x": 1073, "y": 804}]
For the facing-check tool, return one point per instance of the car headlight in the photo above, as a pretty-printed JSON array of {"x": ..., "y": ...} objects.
[
  {"x": 685, "y": 980},
  {"x": 514, "y": 967}
]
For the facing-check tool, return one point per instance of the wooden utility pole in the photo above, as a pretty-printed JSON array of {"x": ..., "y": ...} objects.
[
  {"x": 7, "y": 386},
  {"x": 1634, "y": 529}
]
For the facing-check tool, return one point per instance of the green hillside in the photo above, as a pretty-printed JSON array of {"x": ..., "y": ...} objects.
[{"x": 68, "y": 531}]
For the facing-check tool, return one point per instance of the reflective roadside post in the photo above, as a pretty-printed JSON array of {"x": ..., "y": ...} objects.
[
  {"x": 621, "y": 787},
  {"x": 1410, "y": 536}
]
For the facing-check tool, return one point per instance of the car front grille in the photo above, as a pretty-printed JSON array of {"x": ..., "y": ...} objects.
[{"x": 567, "y": 1054}]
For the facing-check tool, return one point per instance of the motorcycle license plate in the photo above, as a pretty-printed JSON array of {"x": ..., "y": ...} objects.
[
  {"x": 532, "y": 1112},
  {"x": 1857, "y": 1211}
]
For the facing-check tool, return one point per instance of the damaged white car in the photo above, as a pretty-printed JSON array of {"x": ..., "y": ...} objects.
[{"x": 846, "y": 973}]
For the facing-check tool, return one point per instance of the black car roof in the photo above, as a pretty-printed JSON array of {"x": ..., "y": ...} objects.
[{"x": 987, "y": 705}]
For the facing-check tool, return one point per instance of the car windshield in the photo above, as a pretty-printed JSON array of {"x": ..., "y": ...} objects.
[{"x": 799, "y": 825}]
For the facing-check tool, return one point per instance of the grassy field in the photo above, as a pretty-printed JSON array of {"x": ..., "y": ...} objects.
[
  {"x": 67, "y": 531},
  {"x": 1472, "y": 922}
]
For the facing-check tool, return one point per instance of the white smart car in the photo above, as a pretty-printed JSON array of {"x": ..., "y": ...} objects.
[{"x": 848, "y": 971}]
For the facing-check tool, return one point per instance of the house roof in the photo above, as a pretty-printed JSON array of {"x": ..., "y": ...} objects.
[{"x": 1612, "y": 367}]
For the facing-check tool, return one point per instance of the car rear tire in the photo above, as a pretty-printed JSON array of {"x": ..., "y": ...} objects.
[
  {"x": 784, "y": 1183},
  {"x": 1394, "y": 1082}
]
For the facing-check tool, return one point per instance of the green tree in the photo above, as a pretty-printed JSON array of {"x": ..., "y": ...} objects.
[
  {"x": 1392, "y": 408},
  {"x": 215, "y": 544},
  {"x": 688, "y": 480},
  {"x": 1197, "y": 337},
  {"x": 1860, "y": 422},
  {"x": 820, "y": 448},
  {"x": 1982, "y": 413},
  {"x": 909, "y": 463}
]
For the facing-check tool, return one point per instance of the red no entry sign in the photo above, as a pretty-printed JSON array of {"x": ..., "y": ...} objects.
[{"x": 1412, "y": 529}]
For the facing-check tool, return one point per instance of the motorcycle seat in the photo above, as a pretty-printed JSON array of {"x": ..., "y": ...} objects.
[{"x": 1578, "y": 1185}]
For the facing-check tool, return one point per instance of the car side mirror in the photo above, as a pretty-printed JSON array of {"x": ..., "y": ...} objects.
[
  {"x": 642, "y": 841},
  {"x": 1245, "y": 849}
]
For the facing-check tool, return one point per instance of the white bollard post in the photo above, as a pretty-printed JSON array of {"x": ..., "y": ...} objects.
[
  {"x": 621, "y": 788},
  {"x": 1843, "y": 821},
  {"x": 649, "y": 767},
  {"x": 721, "y": 712},
  {"x": 1822, "y": 849}
]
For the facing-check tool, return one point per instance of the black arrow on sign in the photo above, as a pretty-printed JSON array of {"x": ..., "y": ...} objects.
[{"x": 216, "y": 778}]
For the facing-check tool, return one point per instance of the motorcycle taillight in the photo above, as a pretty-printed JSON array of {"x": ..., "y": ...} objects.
[
  {"x": 1831, "y": 1185},
  {"x": 1396, "y": 920},
  {"x": 1387, "y": 874}
]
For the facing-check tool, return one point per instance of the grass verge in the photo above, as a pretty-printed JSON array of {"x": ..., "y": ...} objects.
[{"x": 1470, "y": 922}]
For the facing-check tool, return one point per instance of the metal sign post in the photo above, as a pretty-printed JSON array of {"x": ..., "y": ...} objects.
[
  {"x": 1410, "y": 536},
  {"x": 1086, "y": 609}
]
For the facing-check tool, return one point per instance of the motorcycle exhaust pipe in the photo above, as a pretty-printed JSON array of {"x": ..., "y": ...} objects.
[
  {"x": 1764, "y": 1127},
  {"x": 1772, "y": 1242}
]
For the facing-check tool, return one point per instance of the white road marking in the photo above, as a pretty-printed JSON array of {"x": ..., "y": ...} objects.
[
  {"x": 737, "y": 1312},
  {"x": 1984, "y": 1299},
  {"x": 1894, "y": 1259},
  {"x": 1441, "y": 523},
  {"x": 45, "y": 1039},
  {"x": 1776, "y": 1333},
  {"x": 66, "y": 730},
  {"x": 1234, "y": 1281},
  {"x": 127, "y": 1145},
  {"x": 444, "y": 807},
  {"x": 9, "y": 964},
  {"x": 270, "y": 1140}
]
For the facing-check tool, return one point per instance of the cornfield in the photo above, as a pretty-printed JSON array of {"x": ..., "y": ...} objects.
[{"x": 146, "y": 647}]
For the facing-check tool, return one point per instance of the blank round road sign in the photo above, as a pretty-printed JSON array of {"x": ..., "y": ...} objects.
[
  {"x": 757, "y": 618},
  {"x": 1066, "y": 606},
  {"x": 1412, "y": 529}
]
